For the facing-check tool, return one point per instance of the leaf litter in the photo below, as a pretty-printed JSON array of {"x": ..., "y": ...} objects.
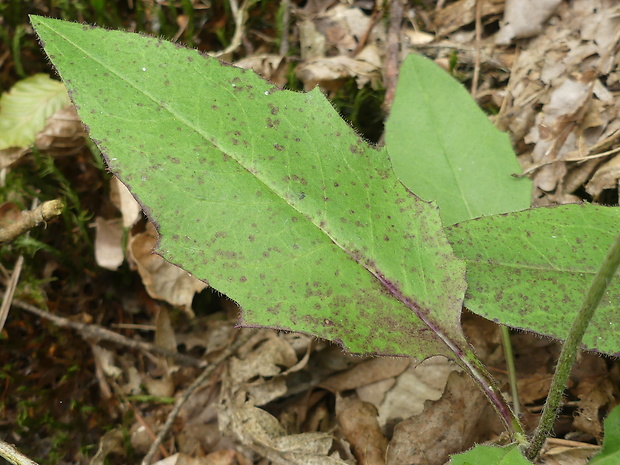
[{"x": 291, "y": 399}]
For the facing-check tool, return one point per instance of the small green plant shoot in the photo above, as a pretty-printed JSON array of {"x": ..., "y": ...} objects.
[{"x": 271, "y": 198}]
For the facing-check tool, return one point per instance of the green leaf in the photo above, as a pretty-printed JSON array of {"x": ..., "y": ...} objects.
[
  {"x": 25, "y": 108},
  {"x": 531, "y": 269},
  {"x": 445, "y": 149},
  {"x": 267, "y": 194},
  {"x": 490, "y": 455},
  {"x": 610, "y": 452}
]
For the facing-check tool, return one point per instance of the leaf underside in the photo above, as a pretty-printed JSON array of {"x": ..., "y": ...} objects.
[
  {"x": 266, "y": 194},
  {"x": 532, "y": 269}
]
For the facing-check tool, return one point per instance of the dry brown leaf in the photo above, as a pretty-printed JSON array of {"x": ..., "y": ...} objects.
[
  {"x": 366, "y": 372},
  {"x": 601, "y": 28},
  {"x": 414, "y": 38},
  {"x": 552, "y": 133},
  {"x": 534, "y": 387},
  {"x": 109, "y": 243},
  {"x": 271, "y": 67},
  {"x": 266, "y": 360},
  {"x": 314, "y": 8},
  {"x": 326, "y": 72},
  {"x": 412, "y": 389},
  {"x": 162, "y": 279},
  {"x": 125, "y": 202},
  {"x": 461, "y": 417},
  {"x": 463, "y": 12},
  {"x": 328, "y": 42},
  {"x": 221, "y": 457},
  {"x": 199, "y": 416},
  {"x": 105, "y": 360},
  {"x": 360, "y": 426},
  {"x": 311, "y": 41},
  {"x": 525, "y": 18},
  {"x": 261, "y": 431},
  {"x": 165, "y": 337},
  {"x": 265, "y": 391},
  {"x": 112, "y": 442},
  {"x": 606, "y": 177},
  {"x": 343, "y": 26},
  {"x": 214, "y": 338},
  {"x": 64, "y": 133},
  {"x": 567, "y": 455},
  {"x": 595, "y": 394},
  {"x": 555, "y": 69},
  {"x": 163, "y": 387},
  {"x": 11, "y": 155}
]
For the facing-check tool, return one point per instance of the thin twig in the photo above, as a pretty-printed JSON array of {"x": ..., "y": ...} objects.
[
  {"x": 29, "y": 219},
  {"x": 230, "y": 350},
  {"x": 497, "y": 120},
  {"x": 569, "y": 350},
  {"x": 393, "y": 52},
  {"x": 13, "y": 455},
  {"x": 148, "y": 429},
  {"x": 10, "y": 290},
  {"x": 240, "y": 15},
  {"x": 98, "y": 333},
  {"x": 286, "y": 24},
  {"x": 474, "y": 81},
  {"x": 566, "y": 160},
  {"x": 376, "y": 14},
  {"x": 36, "y": 214}
]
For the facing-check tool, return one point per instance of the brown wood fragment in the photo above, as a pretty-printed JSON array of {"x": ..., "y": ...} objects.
[{"x": 29, "y": 219}]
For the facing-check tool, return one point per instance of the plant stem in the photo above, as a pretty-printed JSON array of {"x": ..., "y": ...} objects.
[
  {"x": 487, "y": 383},
  {"x": 569, "y": 350},
  {"x": 510, "y": 366}
]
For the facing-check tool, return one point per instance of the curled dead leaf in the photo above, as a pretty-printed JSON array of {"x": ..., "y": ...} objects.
[
  {"x": 451, "y": 424},
  {"x": 109, "y": 243},
  {"x": 125, "y": 202},
  {"x": 326, "y": 72},
  {"x": 264, "y": 433},
  {"x": 271, "y": 67},
  {"x": 606, "y": 177},
  {"x": 361, "y": 428},
  {"x": 162, "y": 279},
  {"x": 63, "y": 134},
  {"x": 524, "y": 18},
  {"x": 463, "y": 12}
]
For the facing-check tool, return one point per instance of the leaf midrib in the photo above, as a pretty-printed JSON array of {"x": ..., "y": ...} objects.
[{"x": 406, "y": 301}]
